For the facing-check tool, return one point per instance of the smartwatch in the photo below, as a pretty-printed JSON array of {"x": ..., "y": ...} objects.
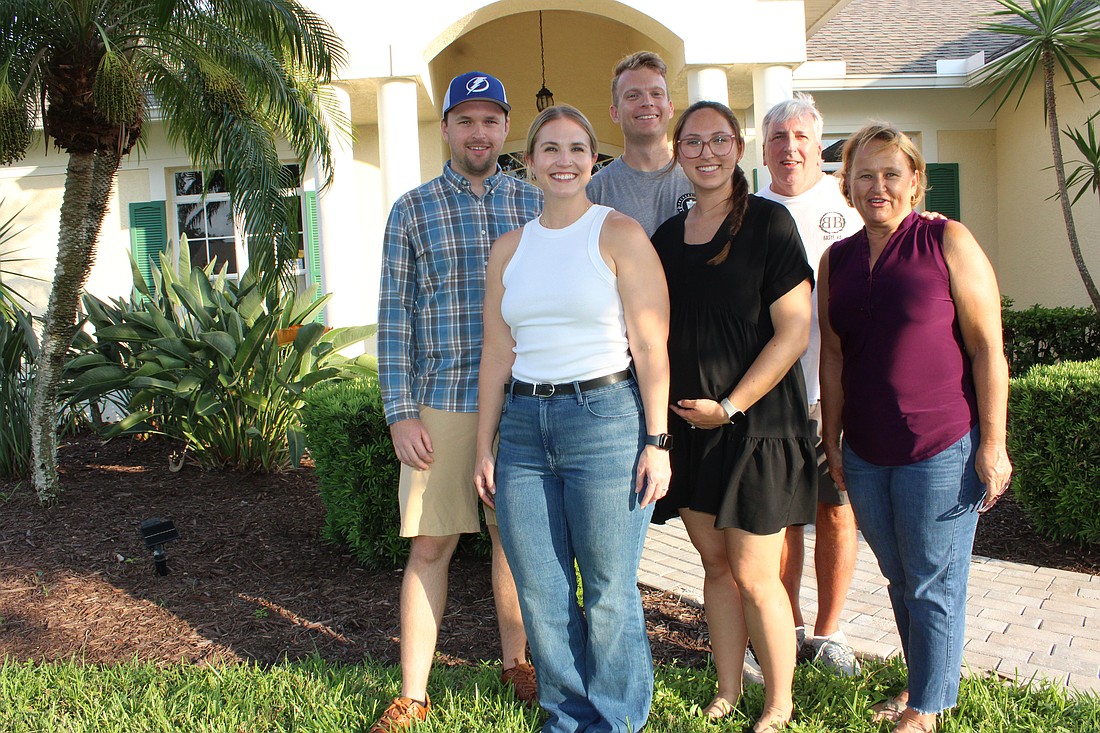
[
  {"x": 736, "y": 416},
  {"x": 663, "y": 441}
]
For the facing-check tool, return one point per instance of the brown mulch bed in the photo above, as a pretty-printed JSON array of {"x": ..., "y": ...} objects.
[{"x": 251, "y": 578}]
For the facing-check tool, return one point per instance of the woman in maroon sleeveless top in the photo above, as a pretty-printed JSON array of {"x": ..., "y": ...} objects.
[{"x": 913, "y": 372}]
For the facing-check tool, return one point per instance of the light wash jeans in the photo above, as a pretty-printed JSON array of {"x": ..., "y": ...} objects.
[
  {"x": 565, "y": 490},
  {"x": 920, "y": 521}
]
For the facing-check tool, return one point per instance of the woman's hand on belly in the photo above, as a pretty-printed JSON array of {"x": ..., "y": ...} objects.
[{"x": 702, "y": 413}]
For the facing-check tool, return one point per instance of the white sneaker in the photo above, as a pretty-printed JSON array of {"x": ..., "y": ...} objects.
[
  {"x": 751, "y": 674},
  {"x": 833, "y": 651},
  {"x": 803, "y": 650}
]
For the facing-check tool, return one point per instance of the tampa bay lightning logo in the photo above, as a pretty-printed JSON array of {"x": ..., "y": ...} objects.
[
  {"x": 477, "y": 85},
  {"x": 832, "y": 222},
  {"x": 685, "y": 202}
]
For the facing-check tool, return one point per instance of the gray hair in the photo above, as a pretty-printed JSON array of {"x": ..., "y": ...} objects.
[{"x": 802, "y": 106}]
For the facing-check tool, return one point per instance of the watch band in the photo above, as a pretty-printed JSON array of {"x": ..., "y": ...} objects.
[
  {"x": 663, "y": 441},
  {"x": 735, "y": 415}
]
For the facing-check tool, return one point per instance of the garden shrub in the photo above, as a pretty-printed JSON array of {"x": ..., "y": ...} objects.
[
  {"x": 1048, "y": 335},
  {"x": 1054, "y": 424},
  {"x": 349, "y": 441}
]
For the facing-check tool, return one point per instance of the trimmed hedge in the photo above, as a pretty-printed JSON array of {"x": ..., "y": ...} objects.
[
  {"x": 1048, "y": 335},
  {"x": 348, "y": 438},
  {"x": 1054, "y": 441}
]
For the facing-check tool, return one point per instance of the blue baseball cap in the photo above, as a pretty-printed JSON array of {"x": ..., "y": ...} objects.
[{"x": 474, "y": 86}]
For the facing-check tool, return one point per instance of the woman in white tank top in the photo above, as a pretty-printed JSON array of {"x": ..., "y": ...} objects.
[{"x": 572, "y": 301}]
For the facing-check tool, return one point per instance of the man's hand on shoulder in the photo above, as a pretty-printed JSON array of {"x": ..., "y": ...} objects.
[{"x": 411, "y": 443}]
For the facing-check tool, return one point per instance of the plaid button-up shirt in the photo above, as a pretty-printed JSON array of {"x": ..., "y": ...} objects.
[{"x": 433, "y": 288}]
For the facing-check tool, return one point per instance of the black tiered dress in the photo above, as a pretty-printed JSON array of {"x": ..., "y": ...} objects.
[{"x": 760, "y": 476}]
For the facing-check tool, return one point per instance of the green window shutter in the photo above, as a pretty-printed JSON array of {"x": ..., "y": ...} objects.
[
  {"x": 148, "y": 235},
  {"x": 943, "y": 190},
  {"x": 312, "y": 237}
]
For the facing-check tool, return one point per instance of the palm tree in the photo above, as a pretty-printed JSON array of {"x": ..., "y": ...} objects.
[
  {"x": 228, "y": 78},
  {"x": 1049, "y": 34}
]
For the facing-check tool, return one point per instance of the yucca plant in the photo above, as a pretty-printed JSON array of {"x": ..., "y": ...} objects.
[
  {"x": 1085, "y": 176},
  {"x": 199, "y": 358},
  {"x": 1042, "y": 36}
]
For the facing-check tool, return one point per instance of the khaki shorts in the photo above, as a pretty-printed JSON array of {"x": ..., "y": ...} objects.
[
  {"x": 827, "y": 492},
  {"x": 443, "y": 500}
]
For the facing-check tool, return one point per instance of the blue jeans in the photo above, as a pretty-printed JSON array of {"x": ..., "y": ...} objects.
[
  {"x": 565, "y": 491},
  {"x": 920, "y": 520}
]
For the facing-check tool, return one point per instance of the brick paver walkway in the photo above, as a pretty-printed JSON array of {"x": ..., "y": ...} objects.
[{"x": 1021, "y": 620}]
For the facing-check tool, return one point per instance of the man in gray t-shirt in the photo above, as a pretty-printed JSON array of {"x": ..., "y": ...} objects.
[{"x": 641, "y": 183}]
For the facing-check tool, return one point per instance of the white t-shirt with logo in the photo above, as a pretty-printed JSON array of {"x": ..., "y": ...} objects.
[{"x": 823, "y": 217}]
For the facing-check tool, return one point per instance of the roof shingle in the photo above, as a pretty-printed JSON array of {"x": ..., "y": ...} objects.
[{"x": 905, "y": 36}]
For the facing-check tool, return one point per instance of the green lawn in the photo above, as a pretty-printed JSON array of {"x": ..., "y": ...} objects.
[{"x": 316, "y": 696}]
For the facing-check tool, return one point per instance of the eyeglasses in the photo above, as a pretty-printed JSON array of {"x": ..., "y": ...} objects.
[{"x": 693, "y": 147}]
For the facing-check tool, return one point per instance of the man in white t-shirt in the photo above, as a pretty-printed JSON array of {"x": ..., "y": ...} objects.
[
  {"x": 792, "y": 153},
  {"x": 643, "y": 182}
]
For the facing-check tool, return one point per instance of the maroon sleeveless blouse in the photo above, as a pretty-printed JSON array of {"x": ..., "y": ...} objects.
[{"x": 908, "y": 389}]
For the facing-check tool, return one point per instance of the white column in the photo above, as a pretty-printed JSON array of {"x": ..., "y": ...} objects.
[
  {"x": 398, "y": 138},
  {"x": 770, "y": 86},
  {"x": 710, "y": 83},
  {"x": 349, "y": 266}
]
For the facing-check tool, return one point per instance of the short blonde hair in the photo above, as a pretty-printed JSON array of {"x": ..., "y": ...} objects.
[{"x": 891, "y": 137}]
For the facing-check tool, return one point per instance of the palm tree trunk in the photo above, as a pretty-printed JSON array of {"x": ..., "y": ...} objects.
[
  {"x": 88, "y": 182},
  {"x": 1060, "y": 174}
]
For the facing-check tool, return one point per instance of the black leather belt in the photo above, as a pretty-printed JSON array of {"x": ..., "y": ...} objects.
[{"x": 545, "y": 389}]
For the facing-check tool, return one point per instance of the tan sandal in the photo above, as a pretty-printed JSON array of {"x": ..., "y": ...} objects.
[
  {"x": 719, "y": 708},
  {"x": 889, "y": 710}
]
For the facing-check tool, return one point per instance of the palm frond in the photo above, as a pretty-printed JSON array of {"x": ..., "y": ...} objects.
[
  {"x": 1063, "y": 30},
  {"x": 1085, "y": 176}
]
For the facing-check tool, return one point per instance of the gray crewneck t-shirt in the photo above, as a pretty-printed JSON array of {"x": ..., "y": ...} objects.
[{"x": 648, "y": 197}]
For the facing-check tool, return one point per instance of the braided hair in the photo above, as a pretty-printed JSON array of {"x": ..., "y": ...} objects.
[{"x": 739, "y": 197}]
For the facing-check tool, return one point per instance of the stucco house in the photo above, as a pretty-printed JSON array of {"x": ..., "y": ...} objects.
[{"x": 912, "y": 62}]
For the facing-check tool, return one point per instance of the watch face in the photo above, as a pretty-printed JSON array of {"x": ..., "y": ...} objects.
[{"x": 737, "y": 417}]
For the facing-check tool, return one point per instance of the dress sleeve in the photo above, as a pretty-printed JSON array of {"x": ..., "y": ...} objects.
[{"x": 786, "y": 265}]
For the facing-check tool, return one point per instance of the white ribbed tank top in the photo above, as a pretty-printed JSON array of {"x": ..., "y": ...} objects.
[{"x": 561, "y": 302}]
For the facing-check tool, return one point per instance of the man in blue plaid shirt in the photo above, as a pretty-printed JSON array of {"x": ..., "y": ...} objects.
[{"x": 429, "y": 347}]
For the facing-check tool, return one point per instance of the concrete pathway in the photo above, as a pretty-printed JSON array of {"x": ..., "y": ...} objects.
[{"x": 1022, "y": 620}]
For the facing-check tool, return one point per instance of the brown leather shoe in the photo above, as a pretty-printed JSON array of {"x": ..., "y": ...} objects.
[
  {"x": 401, "y": 713},
  {"x": 522, "y": 679}
]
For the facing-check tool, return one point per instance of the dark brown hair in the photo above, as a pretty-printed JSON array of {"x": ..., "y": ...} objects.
[{"x": 739, "y": 197}]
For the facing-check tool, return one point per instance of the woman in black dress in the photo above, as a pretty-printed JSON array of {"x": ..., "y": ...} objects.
[{"x": 744, "y": 465}]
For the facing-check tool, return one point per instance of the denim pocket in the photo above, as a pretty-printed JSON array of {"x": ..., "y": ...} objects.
[{"x": 614, "y": 402}]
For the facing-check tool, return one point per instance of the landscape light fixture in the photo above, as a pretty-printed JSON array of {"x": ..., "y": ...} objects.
[
  {"x": 156, "y": 532},
  {"x": 544, "y": 97}
]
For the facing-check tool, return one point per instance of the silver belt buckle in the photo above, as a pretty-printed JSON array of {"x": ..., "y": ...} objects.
[{"x": 539, "y": 392}]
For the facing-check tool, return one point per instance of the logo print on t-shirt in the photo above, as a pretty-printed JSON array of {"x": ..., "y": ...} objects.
[
  {"x": 832, "y": 222},
  {"x": 685, "y": 202}
]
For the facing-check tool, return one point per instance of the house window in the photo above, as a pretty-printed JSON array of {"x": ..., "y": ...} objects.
[
  {"x": 831, "y": 148},
  {"x": 204, "y": 213}
]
